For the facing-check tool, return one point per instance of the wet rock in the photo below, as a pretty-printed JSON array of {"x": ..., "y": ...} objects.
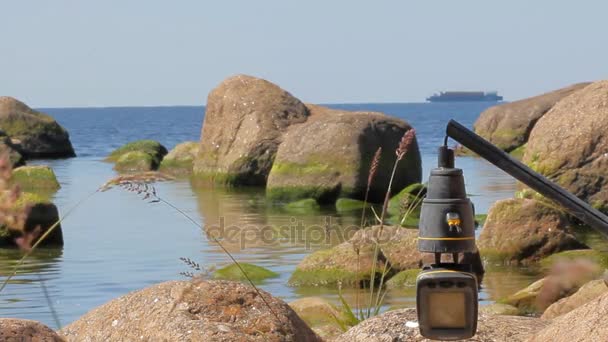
[
  {"x": 351, "y": 262},
  {"x": 303, "y": 206},
  {"x": 254, "y": 273},
  {"x": 37, "y": 178},
  {"x": 391, "y": 326},
  {"x": 508, "y": 125},
  {"x": 14, "y": 329},
  {"x": 138, "y": 156},
  {"x": 180, "y": 159},
  {"x": 41, "y": 217},
  {"x": 406, "y": 204},
  {"x": 590, "y": 255},
  {"x": 244, "y": 123},
  {"x": 585, "y": 294},
  {"x": 569, "y": 144},
  {"x": 329, "y": 157},
  {"x": 323, "y": 317},
  {"x": 521, "y": 231},
  {"x": 33, "y": 134},
  {"x": 348, "y": 204},
  {"x": 586, "y": 323},
  {"x": 192, "y": 311}
]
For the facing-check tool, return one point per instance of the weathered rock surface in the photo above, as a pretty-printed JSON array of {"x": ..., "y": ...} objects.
[
  {"x": 569, "y": 144},
  {"x": 391, "y": 326},
  {"x": 191, "y": 311},
  {"x": 586, "y": 323},
  {"x": 524, "y": 231},
  {"x": 33, "y": 134},
  {"x": 243, "y": 126},
  {"x": 585, "y": 294},
  {"x": 329, "y": 157},
  {"x": 138, "y": 156},
  {"x": 323, "y": 317},
  {"x": 180, "y": 159},
  {"x": 36, "y": 178},
  {"x": 13, "y": 329},
  {"x": 41, "y": 216},
  {"x": 508, "y": 125}
]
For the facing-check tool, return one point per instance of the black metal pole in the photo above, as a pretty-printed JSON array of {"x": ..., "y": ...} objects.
[{"x": 584, "y": 212}]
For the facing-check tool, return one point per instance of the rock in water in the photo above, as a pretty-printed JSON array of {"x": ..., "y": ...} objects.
[
  {"x": 13, "y": 329},
  {"x": 138, "y": 156},
  {"x": 33, "y": 134},
  {"x": 329, "y": 157},
  {"x": 192, "y": 311},
  {"x": 569, "y": 144},
  {"x": 180, "y": 159},
  {"x": 243, "y": 126},
  {"x": 520, "y": 231},
  {"x": 36, "y": 178},
  {"x": 508, "y": 125},
  {"x": 392, "y": 326},
  {"x": 584, "y": 324}
]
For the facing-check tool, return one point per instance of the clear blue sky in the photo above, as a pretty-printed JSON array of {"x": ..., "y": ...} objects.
[{"x": 63, "y": 53}]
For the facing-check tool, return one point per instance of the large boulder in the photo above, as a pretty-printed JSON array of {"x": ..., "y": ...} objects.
[
  {"x": 521, "y": 231},
  {"x": 508, "y": 125},
  {"x": 329, "y": 157},
  {"x": 569, "y": 144},
  {"x": 138, "y": 156},
  {"x": 33, "y": 134},
  {"x": 180, "y": 159},
  {"x": 401, "y": 325},
  {"x": 13, "y": 329},
  {"x": 192, "y": 311},
  {"x": 585, "y": 294},
  {"x": 586, "y": 323},
  {"x": 243, "y": 127}
]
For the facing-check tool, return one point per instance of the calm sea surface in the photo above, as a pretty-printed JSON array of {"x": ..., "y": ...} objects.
[{"x": 116, "y": 243}]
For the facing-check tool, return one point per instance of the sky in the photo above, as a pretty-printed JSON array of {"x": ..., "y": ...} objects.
[{"x": 63, "y": 53}]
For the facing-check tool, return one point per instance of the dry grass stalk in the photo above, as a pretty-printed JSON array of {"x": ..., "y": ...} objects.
[{"x": 373, "y": 169}]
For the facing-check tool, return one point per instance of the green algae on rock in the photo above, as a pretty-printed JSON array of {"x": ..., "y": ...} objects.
[
  {"x": 180, "y": 159},
  {"x": 405, "y": 278},
  {"x": 323, "y": 317},
  {"x": 254, "y": 272},
  {"x": 33, "y": 134},
  {"x": 36, "y": 178},
  {"x": 137, "y": 156},
  {"x": 303, "y": 206},
  {"x": 348, "y": 204}
]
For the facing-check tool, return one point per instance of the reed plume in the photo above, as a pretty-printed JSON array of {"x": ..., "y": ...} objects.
[
  {"x": 405, "y": 143},
  {"x": 373, "y": 169}
]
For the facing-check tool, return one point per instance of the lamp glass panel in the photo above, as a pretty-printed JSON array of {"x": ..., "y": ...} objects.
[{"x": 447, "y": 310}]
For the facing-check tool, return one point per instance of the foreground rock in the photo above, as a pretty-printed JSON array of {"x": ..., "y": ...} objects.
[
  {"x": 521, "y": 231},
  {"x": 41, "y": 217},
  {"x": 33, "y": 134},
  {"x": 244, "y": 123},
  {"x": 323, "y": 317},
  {"x": 509, "y": 125},
  {"x": 585, "y": 294},
  {"x": 569, "y": 144},
  {"x": 391, "y": 326},
  {"x": 191, "y": 311},
  {"x": 329, "y": 157},
  {"x": 37, "y": 178},
  {"x": 13, "y": 329},
  {"x": 180, "y": 159},
  {"x": 138, "y": 156},
  {"x": 587, "y": 323}
]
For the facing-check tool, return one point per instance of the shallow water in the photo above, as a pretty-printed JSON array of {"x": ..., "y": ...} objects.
[{"x": 115, "y": 242}]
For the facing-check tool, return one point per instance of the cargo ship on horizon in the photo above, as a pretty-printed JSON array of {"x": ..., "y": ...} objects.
[{"x": 465, "y": 96}]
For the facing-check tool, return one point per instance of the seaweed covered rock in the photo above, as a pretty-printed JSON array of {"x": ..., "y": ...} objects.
[
  {"x": 391, "y": 326},
  {"x": 243, "y": 126},
  {"x": 36, "y": 178},
  {"x": 254, "y": 273},
  {"x": 33, "y": 134},
  {"x": 521, "y": 231},
  {"x": 508, "y": 125},
  {"x": 569, "y": 144},
  {"x": 351, "y": 262},
  {"x": 586, "y": 323},
  {"x": 41, "y": 216},
  {"x": 405, "y": 205},
  {"x": 138, "y": 156},
  {"x": 192, "y": 311},
  {"x": 180, "y": 159},
  {"x": 14, "y": 329},
  {"x": 329, "y": 157}
]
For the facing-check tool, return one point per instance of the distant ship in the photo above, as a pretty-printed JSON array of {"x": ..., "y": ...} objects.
[{"x": 465, "y": 96}]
